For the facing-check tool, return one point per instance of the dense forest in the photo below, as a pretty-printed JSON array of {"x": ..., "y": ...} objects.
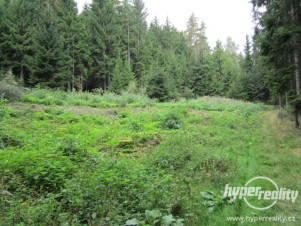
[{"x": 110, "y": 47}]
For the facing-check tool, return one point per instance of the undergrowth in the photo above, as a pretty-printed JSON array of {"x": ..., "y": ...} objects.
[{"x": 166, "y": 164}]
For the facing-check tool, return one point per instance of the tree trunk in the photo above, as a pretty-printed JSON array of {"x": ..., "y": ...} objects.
[
  {"x": 280, "y": 114},
  {"x": 108, "y": 80},
  {"x": 81, "y": 82},
  {"x": 69, "y": 85},
  {"x": 297, "y": 123},
  {"x": 295, "y": 12},
  {"x": 129, "y": 49},
  {"x": 22, "y": 74},
  {"x": 297, "y": 76},
  {"x": 297, "y": 71},
  {"x": 73, "y": 71},
  {"x": 105, "y": 83},
  {"x": 138, "y": 43},
  {"x": 286, "y": 99}
]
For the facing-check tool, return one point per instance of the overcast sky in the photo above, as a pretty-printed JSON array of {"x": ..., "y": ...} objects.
[{"x": 223, "y": 18}]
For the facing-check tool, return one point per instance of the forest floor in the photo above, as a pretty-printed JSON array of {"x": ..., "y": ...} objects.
[{"x": 84, "y": 163}]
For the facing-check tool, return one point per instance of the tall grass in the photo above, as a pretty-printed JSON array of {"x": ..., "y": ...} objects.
[{"x": 58, "y": 97}]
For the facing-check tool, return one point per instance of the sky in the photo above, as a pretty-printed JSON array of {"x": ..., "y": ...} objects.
[{"x": 223, "y": 18}]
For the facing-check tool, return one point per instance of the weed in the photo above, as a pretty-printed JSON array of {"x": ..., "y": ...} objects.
[
  {"x": 7, "y": 140},
  {"x": 155, "y": 217},
  {"x": 171, "y": 121},
  {"x": 213, "y": 201},
  {"x": 50, "y": 176},
  {"x": 72, "y": 150}
]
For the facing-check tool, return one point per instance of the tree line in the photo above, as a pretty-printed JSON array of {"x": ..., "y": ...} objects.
[
  {"x": 278, "y": 41},
  {"x": 109, "y": 46}
]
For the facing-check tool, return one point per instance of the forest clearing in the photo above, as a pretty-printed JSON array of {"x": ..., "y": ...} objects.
[
  {"x": 147, "y": 113},
  {"x": 106, "y": 161}
]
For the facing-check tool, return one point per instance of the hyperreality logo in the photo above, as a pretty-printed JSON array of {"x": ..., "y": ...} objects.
[{"x": 259, "y": 193}]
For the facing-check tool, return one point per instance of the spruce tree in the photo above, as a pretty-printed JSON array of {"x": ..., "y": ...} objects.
[
  {"x": 47, "y": 62},
  {"x": 15, "y": 39}
]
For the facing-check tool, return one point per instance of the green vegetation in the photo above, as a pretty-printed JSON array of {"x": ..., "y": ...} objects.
[
  {"x": 277, "y": 43},
  {"x": 67, "y": 163},
  {"x": 108, "y": 120},
  {"x": 109, "y": 46},
  {"x": 61, "y": 98}
]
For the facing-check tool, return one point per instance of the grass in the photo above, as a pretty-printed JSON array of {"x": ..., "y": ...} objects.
[
  {"x": 76, "y": 163},
  {"x": 61, "y": 98}
]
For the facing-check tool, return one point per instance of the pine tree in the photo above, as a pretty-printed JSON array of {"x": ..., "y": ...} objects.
[
  {"x": 67, "y": 13},
  {"x": 218, "y": 76},
  {"x": 279, "y": 38},
  {"x": 157, "y": 86},
  {"x": 196, "y": 37},
  {"x": 47, "y": 61},
  {"x": 139, "y": 29},
  {"x": 122, "y": 76},
  {"x": 82, "y": 52},
  {"x": 106, "y": 32},
  {"x": 15, "y": 40},
  {"x": 248, "y": 63}
]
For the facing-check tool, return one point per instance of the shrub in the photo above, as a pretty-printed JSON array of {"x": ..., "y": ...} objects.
[
  {"x": 188, "y": 93},
  {"x": 135, "y": 89},
  {"x": 171, "y": 121},
  {"x": 157, "y": 89},
  {"x": 135, "y": 126},
  {"x": 58, "y": 97},
  {"x": 6, "y": 140},
  {"x": 72, "y": 150},
  {"x": 9, "y": 88},
  {"x": 116, "y": 191},
  {"x": 155, "y": 217},
  {"x": 50, "y": 176}
]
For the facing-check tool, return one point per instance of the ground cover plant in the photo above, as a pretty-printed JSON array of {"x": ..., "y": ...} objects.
[{"x": 64, "y": 162}]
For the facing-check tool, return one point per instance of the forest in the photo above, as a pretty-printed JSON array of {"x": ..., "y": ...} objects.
[
  {"x": 109, "y": 46},
  {"x": 106, "y": 119}
]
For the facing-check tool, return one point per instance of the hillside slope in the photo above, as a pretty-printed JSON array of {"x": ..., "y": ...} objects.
[{"x": 138, "y": 164}]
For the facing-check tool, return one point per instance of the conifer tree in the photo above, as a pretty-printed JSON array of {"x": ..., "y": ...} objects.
[
  {"x": 47, "y": 67},
  {"x": 15, "y": 39}
]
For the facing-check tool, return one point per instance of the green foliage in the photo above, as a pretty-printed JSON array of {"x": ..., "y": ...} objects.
[
  {"x": 159, "y": 85},
  {"x": 155, "y": 217},
  {"x": 3, "y": 109},
  {"x": 17, "y": 19},
  {"x": 122, "y": 76},
  {"x": 109, "y": 166},
  {"x": 72, "y": 150},
  {"x": 7, "y": 140},
  {"x": 48, "y": 44},
  {"x": 9, "y": 88},
  {"x": 118, "y": 157},
  {"x": 50, "y": 176},
  {"x": 277, "y": 47},
  {"x": 171, "y": 121},
  {"x": 296, "y": 104},
  {"x": 109, "y": 47},
  {"x": 220, "y": 104},
  {"x": 213, "y": 201},
  {"x": 122, "y": 186},
  {"x": 50, "y": 97}
]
